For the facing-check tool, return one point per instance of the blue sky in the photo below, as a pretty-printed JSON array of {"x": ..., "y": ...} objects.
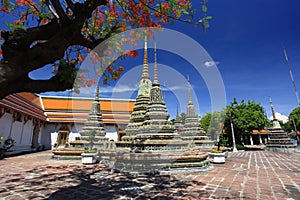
[{"x": 245, "y": 39}]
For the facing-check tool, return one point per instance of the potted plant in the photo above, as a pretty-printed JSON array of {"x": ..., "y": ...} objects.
[
  {"x": 90, "y": 155},
  {"x": 217, "y": 156}
]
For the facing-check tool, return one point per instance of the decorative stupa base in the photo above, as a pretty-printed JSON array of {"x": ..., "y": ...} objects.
[
  {"x": 279, "y": 141},
  {"x": 154, "y": 161},
  {"x": 67, "y": 153},
  {"x": 283, "y": 149}
]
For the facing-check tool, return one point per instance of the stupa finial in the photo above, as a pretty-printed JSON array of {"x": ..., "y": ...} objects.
[
  {"x": 97, "y": 90},
  {"x": 177, "y": 114},
  {"x": 155, "y": 81},
  {"x": 189, "y": 91},
  {"x": 145, "y": 68},
  {"x": 272, "y": 108}
]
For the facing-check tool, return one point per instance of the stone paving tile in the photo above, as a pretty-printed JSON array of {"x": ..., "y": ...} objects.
[{"x": 245, "y": 175}]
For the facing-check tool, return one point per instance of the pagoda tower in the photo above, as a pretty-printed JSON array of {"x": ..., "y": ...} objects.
[
  {"x": 178, "y": 122},
  {"x": 278, "y": 138},
  {"x": 191, "y": 128},
  {"x": 156, "y": 124},
  {"x": 94, "y": 127},
  {"x": 141, "y": 103}
]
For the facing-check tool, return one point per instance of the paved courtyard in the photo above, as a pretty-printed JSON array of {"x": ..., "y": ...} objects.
[{"x": 245, "y": 175}]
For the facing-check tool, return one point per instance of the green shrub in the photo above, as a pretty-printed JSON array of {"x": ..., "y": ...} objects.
[
  {"x": 216, "y": 151},
  {"x": 240, "y": 147},
  {"x": 90, "y": 151}
]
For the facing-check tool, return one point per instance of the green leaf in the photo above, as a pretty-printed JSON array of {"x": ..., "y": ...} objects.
[
  {"x": 14, "y": 26},
  {"x": 185, "y": 12},
  {"x": 204, "y": 8},
  {"x": 206, "y": 23}
]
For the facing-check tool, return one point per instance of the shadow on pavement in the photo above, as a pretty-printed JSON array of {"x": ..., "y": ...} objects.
[{"x": 73, "y": 181}]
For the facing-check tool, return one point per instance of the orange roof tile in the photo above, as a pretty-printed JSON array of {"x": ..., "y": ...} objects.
[
  {"x": 58, "y": 103},
  {"x": 63, "y": 109},
  {"x": 263, "y": 131},
  {"x": 25, "y": 103},
  {"x": 33, "y": 98}
]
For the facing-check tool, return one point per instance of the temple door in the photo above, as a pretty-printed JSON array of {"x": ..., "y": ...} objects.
[{"x": 63, "y": 138}]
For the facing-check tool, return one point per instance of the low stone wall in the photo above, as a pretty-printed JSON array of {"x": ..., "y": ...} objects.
[
  {"x": 283, "y": 149},
  {"x": 145, "y": 161}
]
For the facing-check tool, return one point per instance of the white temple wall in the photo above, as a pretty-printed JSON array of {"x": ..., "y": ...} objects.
[
  {"x": 73, "y": 136},
  {"x": 53, "y": 137},
  {"x": 111, "y": 132},
  {"x": 5, "y": 125},
  {"x": 53, "y": 133},
  {"x": 45, "y": 135},
  {"x": 74, "y": 132},
  {"x": 23, "y": 141},
  {"x": 49, "y": 135},
  {"x": 16, "y": 132},
  {"x": 27, "y": 133}
]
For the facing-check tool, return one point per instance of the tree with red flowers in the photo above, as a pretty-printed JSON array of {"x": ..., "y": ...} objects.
[{"x": 62, "y": 32}]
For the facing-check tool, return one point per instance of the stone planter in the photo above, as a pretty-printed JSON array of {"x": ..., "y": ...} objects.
[
  {"x": 89, "y": 158},
  {"x": 217, "y": 157}
]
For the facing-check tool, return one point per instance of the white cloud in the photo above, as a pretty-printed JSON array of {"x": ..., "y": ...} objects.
[
  {"x": 64, "y": 93},
  {"x": 119, "y": 89},
  {"x": 280, "y": 117},
  {"x": 173, "y": 88},
  {"x": 211, "y": 63}
]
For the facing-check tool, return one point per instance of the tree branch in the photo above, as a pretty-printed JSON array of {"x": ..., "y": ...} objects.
[
  {"x": 20, "y": 56},
  {"x": 91, "y": 44},
  {"x": 61, "y": 13},
  {"x": 38, "y": 86},
  {"x": 51, "y": 9},
  {"x": 71, "y": 5}
]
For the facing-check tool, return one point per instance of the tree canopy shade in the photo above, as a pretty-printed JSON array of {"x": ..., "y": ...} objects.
[
  {"x": 295, "y": 117},
  {"x": 246, "y": 117},
  {"x": 62, "y": 32}
]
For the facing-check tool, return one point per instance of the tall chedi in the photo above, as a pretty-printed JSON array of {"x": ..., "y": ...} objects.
[
  {"x": 279, "y": 140},
  {"x": 156, "y": 124},
  {"x": 141, "y": 103},
  {"x": 178, "y": 122},
  {"x": 94, "y": 128},
  {"x": 191, "y": 128}
]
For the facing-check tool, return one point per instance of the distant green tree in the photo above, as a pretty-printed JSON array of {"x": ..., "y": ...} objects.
[
  {"x": 295, "y": 115},
  {"x": 205, "y": 121},
  {"x": 182, "y": 117},
  {"x": 173, "y": 121},
  {"x": 245, "y": 118},
  {"x": 212, "y": 123},
  {"x": 287, "y": 127}
]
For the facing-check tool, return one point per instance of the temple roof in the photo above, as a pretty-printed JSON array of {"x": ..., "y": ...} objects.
[
  {"x": 25, "y": 103},
  {"x": 67, "y": 109},
  {"x": 64, "y": 109},
  {"x": 263, "y": 131}
]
